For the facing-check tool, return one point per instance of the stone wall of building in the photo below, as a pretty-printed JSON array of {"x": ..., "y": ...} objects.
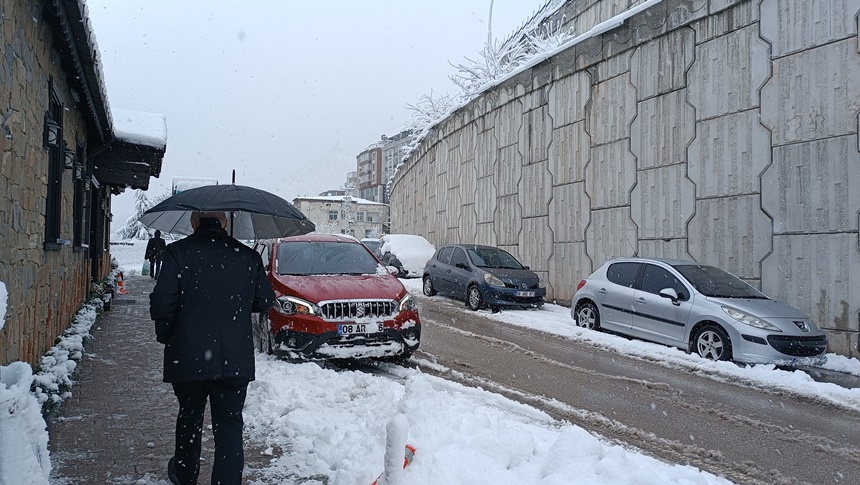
[
  {"x": 724, "y": 131},
  {"x": 46, "y": 287}
]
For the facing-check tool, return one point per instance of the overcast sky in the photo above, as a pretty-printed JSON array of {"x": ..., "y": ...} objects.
[{"x": 285, "y": 92}]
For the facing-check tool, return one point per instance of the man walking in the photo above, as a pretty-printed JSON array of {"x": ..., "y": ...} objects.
[
  {"x": 154, "y": 248},
  {"x": 209, "y": 285}
]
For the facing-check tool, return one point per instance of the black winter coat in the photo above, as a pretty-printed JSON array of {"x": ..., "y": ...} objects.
[
  {"x": 154, "y": 247},
  {"x": 209, "y": 285}
]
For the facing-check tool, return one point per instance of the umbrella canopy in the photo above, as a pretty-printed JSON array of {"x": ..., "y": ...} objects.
[{"x": 256, "y": 214}]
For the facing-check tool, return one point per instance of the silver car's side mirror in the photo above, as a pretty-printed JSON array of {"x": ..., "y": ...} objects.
[{"x": 671, "y": 294}]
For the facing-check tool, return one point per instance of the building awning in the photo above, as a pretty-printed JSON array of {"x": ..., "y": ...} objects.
[
  {"x": 128, "y": 146},
  {"x": 136, "y": 152},
  {"x": 126, "y": 165}
]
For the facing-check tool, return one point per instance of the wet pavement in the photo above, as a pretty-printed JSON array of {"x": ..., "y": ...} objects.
[{"x": 117, "y": 427}]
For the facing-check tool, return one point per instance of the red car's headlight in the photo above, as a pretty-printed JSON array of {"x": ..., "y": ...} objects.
[
  {"x": 407, "y": 303},
  {"x": 290, "y": 305}
]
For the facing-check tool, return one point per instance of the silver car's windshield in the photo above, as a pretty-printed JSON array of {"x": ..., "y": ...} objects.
[
  {"x": 712, "y": 281},
  {"x": 319, "y": 258}
]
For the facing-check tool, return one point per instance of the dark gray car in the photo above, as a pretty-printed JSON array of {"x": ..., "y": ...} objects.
[
  {"x": 698, "y": 308},
  {"x": 483, "y": 276}
]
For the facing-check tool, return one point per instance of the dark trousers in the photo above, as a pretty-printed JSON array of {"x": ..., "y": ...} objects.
[
  {"x": 154, "y": 267},
  {"x": 227, "y": 398}
]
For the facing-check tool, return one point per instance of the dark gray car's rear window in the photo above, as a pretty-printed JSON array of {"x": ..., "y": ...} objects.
[
  {"x": 623, "y": 274},
  {"x": 445, "y": 255}
]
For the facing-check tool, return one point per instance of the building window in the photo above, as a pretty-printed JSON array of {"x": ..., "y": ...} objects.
[
  {"x": 54, "y": 144},
  {"x": 359, "y": 216},
  {"x": 332, "y": 215},
  {"x": 372, "y": 217}
]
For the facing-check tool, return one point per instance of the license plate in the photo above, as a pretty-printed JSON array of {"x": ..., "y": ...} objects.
[
  {"x": 359, "y": 328},
  {"x": 526, "y": 294}
]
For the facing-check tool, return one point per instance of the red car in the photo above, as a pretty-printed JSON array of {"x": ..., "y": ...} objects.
[{"x": 334, "y": 300}]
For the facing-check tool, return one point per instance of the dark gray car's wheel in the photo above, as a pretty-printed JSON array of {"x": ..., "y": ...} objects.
[
  {"x": 428, "y": 287},
  {"x": 588, "y": 317},
  {"x": 473, "y": 298},
  {"x": 711, "y": 342}
]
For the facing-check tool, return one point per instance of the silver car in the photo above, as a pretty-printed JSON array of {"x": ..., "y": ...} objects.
[{"x": 696, "y": 307}]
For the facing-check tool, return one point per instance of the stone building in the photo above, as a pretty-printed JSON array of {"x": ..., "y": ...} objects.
[
  {"x": 722, "y": 131},
  {"x": 63, "y": 156}
]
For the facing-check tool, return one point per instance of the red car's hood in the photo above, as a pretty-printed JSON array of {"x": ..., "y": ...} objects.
[{"x": 340, "y": 287}]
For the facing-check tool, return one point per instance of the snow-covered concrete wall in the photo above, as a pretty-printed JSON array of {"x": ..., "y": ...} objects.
[{"x": 724, "y": 131}]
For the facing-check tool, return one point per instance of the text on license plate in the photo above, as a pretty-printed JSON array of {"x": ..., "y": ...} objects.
[
  {"x": 353, "y": 328},
  {"x": 524, "y": 293}
]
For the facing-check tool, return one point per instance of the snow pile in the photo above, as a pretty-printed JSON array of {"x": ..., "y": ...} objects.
[
  {"x": 412, "y": 251},
  {"x": 335, "y": 425},
  {"x": 840, "y": 363},
  {"x": 4, "y": 298},
  {"x": 53, "y": 380},
  {"x": 149, "y": 129},
  {"x": 25, "y": 456}
]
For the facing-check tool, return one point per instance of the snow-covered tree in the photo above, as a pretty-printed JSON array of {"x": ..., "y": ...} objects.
[
  {"x": 548, "y": 37},
  {"x": 133, "y": 228},
  {"x": 498, "y": 59},
  {"x": 326, "y": 227},
  {"x": 346, "y": 213}
]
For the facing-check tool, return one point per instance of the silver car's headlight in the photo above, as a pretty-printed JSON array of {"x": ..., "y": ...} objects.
[
  {"x": 290, "y": 305},
  {"x": 493, "y": 280},
  {"x": 407, "y": 303},
  {"x": 751, "y": 320}
]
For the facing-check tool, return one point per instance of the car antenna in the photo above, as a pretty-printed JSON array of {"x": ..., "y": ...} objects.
[{"x": 635, "y": 251}]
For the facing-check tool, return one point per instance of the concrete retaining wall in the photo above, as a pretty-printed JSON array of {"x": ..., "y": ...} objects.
[{"x": 724, "y": 131}]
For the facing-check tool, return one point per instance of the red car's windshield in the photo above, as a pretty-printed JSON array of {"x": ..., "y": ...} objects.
[{"x": 322, "y": 258}]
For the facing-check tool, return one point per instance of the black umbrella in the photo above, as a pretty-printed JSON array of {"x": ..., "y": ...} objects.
[{"x": 254, "y": 213}]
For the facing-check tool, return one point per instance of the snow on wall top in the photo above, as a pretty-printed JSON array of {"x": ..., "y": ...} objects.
[
  {"x": 140, "y": 128},
  {"x": 339, "y": 198}
]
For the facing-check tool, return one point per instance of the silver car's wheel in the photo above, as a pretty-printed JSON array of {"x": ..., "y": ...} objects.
[
  {"x": 711, "y": 342},
  {"x": 474, "y": 299},
  {"x": 587, "y": 317},
  {"x": 428, "y": 286}
]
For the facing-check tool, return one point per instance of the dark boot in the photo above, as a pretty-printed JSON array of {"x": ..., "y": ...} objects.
[{"x": 171, "y": 471}]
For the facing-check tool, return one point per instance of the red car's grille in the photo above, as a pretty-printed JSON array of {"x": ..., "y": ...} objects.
[{"x": 337, "y": 310}]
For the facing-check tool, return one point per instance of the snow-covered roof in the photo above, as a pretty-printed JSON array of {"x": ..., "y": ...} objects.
[
  {"x": 339, "y": 198},
  {"x": 140, "y": 128}
]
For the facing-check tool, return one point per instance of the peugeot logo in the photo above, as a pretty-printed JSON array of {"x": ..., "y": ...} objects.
[
  {"x": 523, "y": 286},
  {"x": 802, "y": 325}
]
